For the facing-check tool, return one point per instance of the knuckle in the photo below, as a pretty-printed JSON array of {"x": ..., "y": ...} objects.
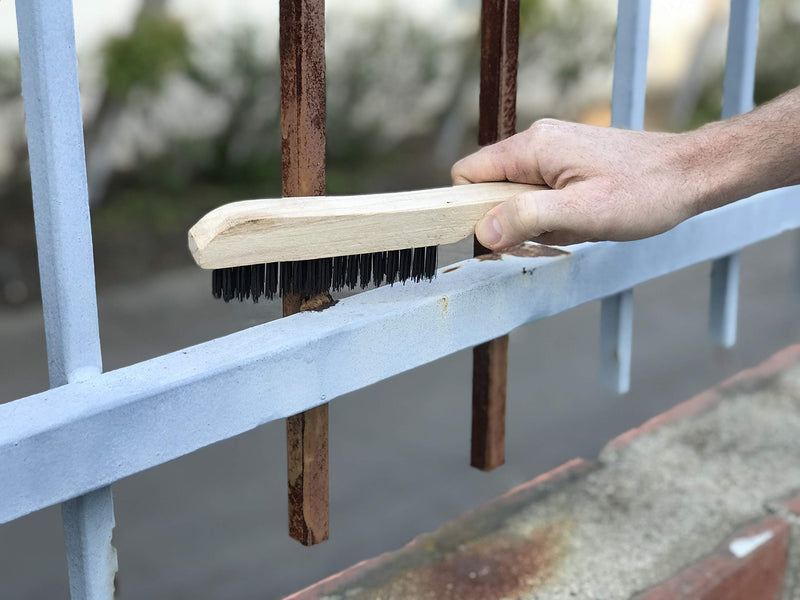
[
  {"x": 546, "y": 126},
  {"x": 545, "y": 123}
]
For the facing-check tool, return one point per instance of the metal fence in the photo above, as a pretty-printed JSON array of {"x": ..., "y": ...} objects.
[{"x": 69, "y": 444}]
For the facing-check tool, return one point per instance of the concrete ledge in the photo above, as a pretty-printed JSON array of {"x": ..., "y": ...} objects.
[
  {"x": 742, "y": 381},
  {"x": 465, "y": 558},
  {"x": 652, "y": 519}
]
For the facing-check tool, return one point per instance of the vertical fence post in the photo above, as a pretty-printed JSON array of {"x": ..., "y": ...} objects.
[
  {"x": 64, "y": 242},
  {"x": 740, "y": 74},
  {"x": 498, "y": 112},
  {"x": 627, "y": 111},
  {"x": 302, "y": 56}
]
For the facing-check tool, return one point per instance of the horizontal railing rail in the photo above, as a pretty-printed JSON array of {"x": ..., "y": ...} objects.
[{"x": 85, "y": 435}]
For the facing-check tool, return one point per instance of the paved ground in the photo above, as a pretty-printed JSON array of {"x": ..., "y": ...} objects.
[{"x": 212, "y": 525}]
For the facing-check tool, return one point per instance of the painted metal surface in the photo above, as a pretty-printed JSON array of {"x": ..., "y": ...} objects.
[
  {"x": 740, "y": 61},
  {"x": 627, "y": 111},
  {"x": 70, "y": 440},
  {"x": 740, "y": 75},
  {"x": 60, "y": 193},
  {"x": 91, "y": 558},
  {"x": 497, "y": 121},
  {"x": 630, "y": 64},
  {"x": 64, "y": 240},
  {"x": 616, "y": 341}
]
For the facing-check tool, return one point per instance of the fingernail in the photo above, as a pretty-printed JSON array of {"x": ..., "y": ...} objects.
[{"x": 489, "y": 231}]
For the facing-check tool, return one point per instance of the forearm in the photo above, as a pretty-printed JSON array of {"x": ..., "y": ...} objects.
[{"x": 746, "y": 154}]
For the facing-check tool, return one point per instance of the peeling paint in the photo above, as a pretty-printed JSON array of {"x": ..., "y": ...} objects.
[{"x": 524, "y": 250}]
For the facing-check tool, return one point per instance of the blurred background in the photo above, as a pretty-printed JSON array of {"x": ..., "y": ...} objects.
[{"x": 181, "y": 114}]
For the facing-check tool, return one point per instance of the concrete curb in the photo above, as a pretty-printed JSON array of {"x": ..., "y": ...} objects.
[
  {"x": 706, "y": 400},
  {"x": 520, "y": 495}
]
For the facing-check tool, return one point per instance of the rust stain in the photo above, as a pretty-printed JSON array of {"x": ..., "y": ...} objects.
[
  {"x": 495, "y": 569},
  {"x": 445, "y": 304},
  {"x": 524, "y": 251},
  {"x": 318, "y": 302},
  {"x": 451, "y": 269},
  {"x": 501, "y": 565}
]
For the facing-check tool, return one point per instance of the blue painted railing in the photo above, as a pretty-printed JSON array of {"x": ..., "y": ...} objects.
[{"x": 71, "y": 443}]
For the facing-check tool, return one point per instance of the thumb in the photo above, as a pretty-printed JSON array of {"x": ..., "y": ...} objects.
[{"x": 527, "y": 216}]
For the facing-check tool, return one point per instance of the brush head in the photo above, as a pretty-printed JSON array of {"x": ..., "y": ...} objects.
[{"x": 309, "y": 277}]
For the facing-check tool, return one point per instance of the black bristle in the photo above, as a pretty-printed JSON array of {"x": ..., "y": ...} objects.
[
  {"x": 365, "y": 268},
  {"x": 404, "y": 267},
  {"x": 229, "y": 285},
  {"x": 353, "y": 262},
  {"x": 378, "y": 267},
  {"x": 310, "y": 277},
  {"x": 418, "y": 268},
  {"x": 326, "y": 282},
  {"x": 431, "y": 253},
  {"x": 243, "y": 283},
  {"x": 256, "y": 281},
  {"x": 295, "y": 280},
  {"x": 216, "y": 282},
  {"x": 285, "y": 274},
  {"x": 392, "y": 266},
  {"x": 339, "y": 273},
  {"x": 271, "y": 280}
]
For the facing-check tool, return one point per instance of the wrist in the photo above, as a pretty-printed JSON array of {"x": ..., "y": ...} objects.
[{"x": 715, "y": 164}]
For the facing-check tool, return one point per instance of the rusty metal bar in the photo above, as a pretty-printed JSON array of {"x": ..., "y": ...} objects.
[
  {"x": 302, "y": 56},
  {"x": 498, "y": 116}
]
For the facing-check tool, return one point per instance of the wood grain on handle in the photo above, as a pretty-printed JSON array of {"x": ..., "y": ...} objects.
[{"x": 281, "y": 229}]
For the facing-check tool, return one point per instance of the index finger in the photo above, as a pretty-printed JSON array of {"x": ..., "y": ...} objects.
[{"x": 513, "y": 159}]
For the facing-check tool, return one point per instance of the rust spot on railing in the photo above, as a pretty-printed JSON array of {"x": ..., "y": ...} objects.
[{"x": 318, "y": 302}]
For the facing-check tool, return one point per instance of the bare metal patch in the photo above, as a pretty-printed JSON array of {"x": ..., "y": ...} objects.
[{"x": 524, "y": 251}]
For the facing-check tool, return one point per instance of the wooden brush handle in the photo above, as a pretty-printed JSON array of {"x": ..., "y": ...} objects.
[{"x": 287, "y": 229}]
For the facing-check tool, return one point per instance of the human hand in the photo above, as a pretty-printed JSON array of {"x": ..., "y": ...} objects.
[{"x": 607, "y": 184}]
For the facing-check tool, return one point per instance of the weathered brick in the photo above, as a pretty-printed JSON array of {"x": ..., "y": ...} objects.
[
  {"x": 754, "y": 575},
  {"x": 792, "y": 504}
]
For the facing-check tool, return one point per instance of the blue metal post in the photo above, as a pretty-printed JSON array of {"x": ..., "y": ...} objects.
[
  {"x": 740, "y": 72},
  {"x": 63, "y": 236},
  {"x": 627, "y": 111}
]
